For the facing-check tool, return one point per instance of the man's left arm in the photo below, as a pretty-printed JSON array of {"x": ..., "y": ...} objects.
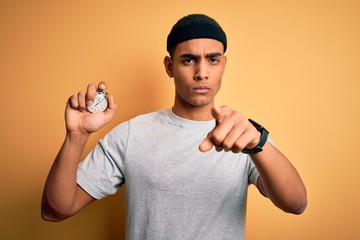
[{"x": 278, "y": 179}]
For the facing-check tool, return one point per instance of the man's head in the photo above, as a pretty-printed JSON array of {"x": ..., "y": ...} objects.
[
  {"x": 195, "y": 26},
  {"x": 196, "y": 45}
]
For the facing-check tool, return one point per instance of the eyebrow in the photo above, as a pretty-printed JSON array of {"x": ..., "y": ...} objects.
[{"x": 194, "y": 56}]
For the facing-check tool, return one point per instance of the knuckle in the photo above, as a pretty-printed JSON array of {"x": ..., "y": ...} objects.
[
  {"x": 227, "y": 145},
  {"x": 226, "y": 109},
  {"x": 73, "y": 98},
  {"x": 239, "y": 116},
  {"x": 238, "y": 146},
  {"x": 217, "y": 139},
  {"x": 253, "y": 130},
  {"x": 73, "y": 101}
]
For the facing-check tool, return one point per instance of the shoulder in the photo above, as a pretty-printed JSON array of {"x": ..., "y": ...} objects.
[
  {"x": 139, "y": 122},
  {"x": 140, "y": 119},
  {"x": 148, "y": 119},
  {"x": 149, "y": 116}
]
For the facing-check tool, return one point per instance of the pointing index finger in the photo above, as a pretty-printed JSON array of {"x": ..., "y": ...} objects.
[
  {"x": 208, "y": 142},
  {"x": 217, "y": 114}
]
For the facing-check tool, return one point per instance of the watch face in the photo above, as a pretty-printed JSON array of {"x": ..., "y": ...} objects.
[{"x": 100, "y": 103}]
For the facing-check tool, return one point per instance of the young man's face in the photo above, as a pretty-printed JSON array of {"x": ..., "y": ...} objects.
[{"x": 197, "y": 66}]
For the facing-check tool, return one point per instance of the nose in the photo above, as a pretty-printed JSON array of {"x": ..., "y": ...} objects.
[{"x": 201, "y": 71}]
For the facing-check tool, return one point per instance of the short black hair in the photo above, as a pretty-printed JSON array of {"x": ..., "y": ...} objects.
[{"x": 195, "y": 26}]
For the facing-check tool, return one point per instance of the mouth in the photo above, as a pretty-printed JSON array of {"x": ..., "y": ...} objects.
[{"x": 201, "y": 89}]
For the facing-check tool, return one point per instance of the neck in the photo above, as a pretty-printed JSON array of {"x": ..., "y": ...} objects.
[{"x": 194, "y": 113}]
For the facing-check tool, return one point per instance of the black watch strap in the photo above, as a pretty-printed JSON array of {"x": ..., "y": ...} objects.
[{"x": 263, "y": 139}]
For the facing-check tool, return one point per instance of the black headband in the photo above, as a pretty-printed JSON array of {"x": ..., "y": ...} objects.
[{"x": 195, "y": 26}]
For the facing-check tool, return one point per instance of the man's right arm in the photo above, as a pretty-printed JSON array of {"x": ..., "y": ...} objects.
[{"x": 62, "y": 196}]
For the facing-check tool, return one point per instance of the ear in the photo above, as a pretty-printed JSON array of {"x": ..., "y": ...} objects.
[
  {"x": 224, "y": 65},
  {"x": 225, "y": 60},
  {"x": 168, "y": 63}
]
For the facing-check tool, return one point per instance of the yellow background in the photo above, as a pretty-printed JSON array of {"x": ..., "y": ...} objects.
[{"x": 292, "y": 65}]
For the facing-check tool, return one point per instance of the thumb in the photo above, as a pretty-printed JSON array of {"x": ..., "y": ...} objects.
[
  {"x": 112, "y": 105},
  {"x": 110, "y": 111},
  {"x": 207, "y": 143}
]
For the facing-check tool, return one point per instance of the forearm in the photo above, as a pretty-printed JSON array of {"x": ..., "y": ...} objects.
[
  {"x": 61, "y": 186},
  {"x": 279, "y": 180}
]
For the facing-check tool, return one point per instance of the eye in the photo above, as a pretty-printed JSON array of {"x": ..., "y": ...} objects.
[
  {"x": 214, "y": 60},
  {"x": 189, "y": 61}
]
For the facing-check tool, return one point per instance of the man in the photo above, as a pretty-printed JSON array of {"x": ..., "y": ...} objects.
[{"x": 186, "y": 169}]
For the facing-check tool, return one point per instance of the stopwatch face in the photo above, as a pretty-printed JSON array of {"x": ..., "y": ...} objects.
[{"x": 100, "y": 103}]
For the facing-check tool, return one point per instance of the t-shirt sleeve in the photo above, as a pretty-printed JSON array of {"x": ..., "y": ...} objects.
[
  {"x": 253, "y": 173},
  {"x": 103, "y": 170}
]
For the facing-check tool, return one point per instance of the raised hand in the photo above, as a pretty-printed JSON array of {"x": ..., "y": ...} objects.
[
  {"x": 79, "y": 120},
  {"x": 232, "y": 132}
]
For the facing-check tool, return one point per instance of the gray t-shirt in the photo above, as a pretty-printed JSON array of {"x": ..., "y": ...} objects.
[{"x": 173, "y": 190}]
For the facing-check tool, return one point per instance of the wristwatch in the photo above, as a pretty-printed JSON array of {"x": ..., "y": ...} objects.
[{"x": 263, "y": 138}]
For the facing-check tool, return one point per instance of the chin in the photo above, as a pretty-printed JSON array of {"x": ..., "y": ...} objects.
[
  {"x": 196, "y": 101},
  {"x": 199, "y": 103}
]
